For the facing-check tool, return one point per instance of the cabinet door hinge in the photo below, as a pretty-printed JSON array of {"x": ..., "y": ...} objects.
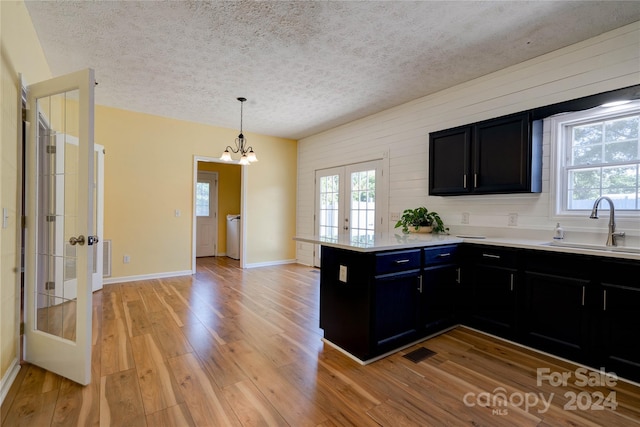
[
  {"x": 23, "y": 222},
  {"x": 21, "y": 328},
  {"x": 51, "y": 149},
  {"x": 49, "y": 286},
  {"x": 50, "y": 218},
  {"x": 25, "y": 113}
]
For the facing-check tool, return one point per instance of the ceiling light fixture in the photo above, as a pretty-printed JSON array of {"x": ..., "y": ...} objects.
[{"x": 247, "y": 154}]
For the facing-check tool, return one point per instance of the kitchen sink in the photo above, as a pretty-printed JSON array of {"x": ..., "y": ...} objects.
[{"x": 593, "y": 246}]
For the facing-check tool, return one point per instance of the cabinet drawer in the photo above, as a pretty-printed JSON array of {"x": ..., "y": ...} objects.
[
  {"x": 491, "y": 255},
  {"x": 390, "y": 262},
  {"x": 565, "y": 265},
  {"x": 621, "y": 273},
  {"x": 440, "y": 255}
]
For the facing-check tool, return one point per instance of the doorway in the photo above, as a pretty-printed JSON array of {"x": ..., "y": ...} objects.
[
  {"x": 230, "y": 201},
  {"x": 349, "y": 200}
]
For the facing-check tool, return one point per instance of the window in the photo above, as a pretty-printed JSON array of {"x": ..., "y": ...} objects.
[
  {"x": 202, "y": 199},
  {"x": 598, "y": 154}
]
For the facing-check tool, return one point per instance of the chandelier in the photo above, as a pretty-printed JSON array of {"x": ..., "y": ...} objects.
[{"x": 246, "y": 153}]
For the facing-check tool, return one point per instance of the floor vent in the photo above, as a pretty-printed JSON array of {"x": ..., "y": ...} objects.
[
  {"x": 106, "y": 258},
  {"x": 419, "y": 355}
]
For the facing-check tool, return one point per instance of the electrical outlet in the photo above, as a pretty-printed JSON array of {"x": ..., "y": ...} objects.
[
  {"x": 395, "y": 216},
  {"x": 342, "y": 276},
  {"x": 513, "y": 220},
  {"x": 126, "y": 259},
  {"x": 465, "y": 218}
]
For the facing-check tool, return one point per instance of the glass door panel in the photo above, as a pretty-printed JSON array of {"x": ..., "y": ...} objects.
[
  {"x": 329, "y": 211},
  {"x": 57, "y": 207},
  {"x": 362, "y": 212}
]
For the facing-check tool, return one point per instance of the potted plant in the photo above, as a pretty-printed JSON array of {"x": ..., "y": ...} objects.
[{"x": 421, "y": 220}]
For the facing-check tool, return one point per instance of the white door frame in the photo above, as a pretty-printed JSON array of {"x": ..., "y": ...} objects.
[{"x": 243, "y": 192}]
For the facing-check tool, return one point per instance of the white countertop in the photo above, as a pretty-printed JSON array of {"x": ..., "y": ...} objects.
[
  {"x": 391, "y": 241},
  {"x": 382, "y": 241}
]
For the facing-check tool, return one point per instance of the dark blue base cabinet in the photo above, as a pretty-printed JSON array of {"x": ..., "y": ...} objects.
[
  {"x": 374, "y": 303},
  {"x": 583, "y": 308},
  {"x": 586, "y": 309}
]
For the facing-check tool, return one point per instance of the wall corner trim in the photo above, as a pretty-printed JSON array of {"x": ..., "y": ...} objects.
[{"x": 7, "y": 380}]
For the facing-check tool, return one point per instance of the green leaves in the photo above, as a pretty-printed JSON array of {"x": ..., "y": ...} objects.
[{"x": 414, "y": 218}]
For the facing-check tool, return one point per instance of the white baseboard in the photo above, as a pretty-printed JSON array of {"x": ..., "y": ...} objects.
[
  {"x": 270, "y": 263},
  {"x": 124, "y": 279},
  {"x": 7, "y": 380},
  {"x": 298, "y": 261}
]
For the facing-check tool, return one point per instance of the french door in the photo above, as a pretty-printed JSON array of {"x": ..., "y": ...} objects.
[
  {"x": 60, "y": 231},
  {"x": 348, "y": 202}
]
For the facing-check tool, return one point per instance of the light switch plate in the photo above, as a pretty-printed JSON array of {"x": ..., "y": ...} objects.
[{"x": 343, "y": 274}]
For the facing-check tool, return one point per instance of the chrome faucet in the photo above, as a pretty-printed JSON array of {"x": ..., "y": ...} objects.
[{"x": 611, "y": 237}]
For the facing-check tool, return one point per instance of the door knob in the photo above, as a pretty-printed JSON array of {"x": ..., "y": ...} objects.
[{"x": 77, "y": 240}]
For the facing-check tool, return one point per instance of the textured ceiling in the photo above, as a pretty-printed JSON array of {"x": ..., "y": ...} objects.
[{"x": 304, "y": 66}]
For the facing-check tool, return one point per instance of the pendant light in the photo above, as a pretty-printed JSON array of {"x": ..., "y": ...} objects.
[{"x": 246, "y": 153}]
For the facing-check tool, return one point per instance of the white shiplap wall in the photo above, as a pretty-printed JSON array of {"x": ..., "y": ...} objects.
[{"x": 609, "y": 61}]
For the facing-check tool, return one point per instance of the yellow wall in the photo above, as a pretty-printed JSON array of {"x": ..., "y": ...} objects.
[
  {"x": 228, "y": 195},
  {"x": 20, "y": 53},
  {"x": 149, "y": 175},
  {"x": 271, "y": 196}
]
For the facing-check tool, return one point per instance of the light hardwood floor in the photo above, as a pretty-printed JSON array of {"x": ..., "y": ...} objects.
[{"x": 233, "y": 347}]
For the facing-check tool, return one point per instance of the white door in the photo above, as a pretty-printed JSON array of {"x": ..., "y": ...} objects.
[
  {"x": 330, "y": 208},
  {"x": 206, "y": 213},
  {"x": 363, "y": 200},
  {"x": 60, "y": 229},
  {"x": 348, "y": 202}
]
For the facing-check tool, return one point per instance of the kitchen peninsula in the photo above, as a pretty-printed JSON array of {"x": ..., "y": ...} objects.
[
  {"x": 377, "y": 296},
  {"x": 394, "y": 290}
]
